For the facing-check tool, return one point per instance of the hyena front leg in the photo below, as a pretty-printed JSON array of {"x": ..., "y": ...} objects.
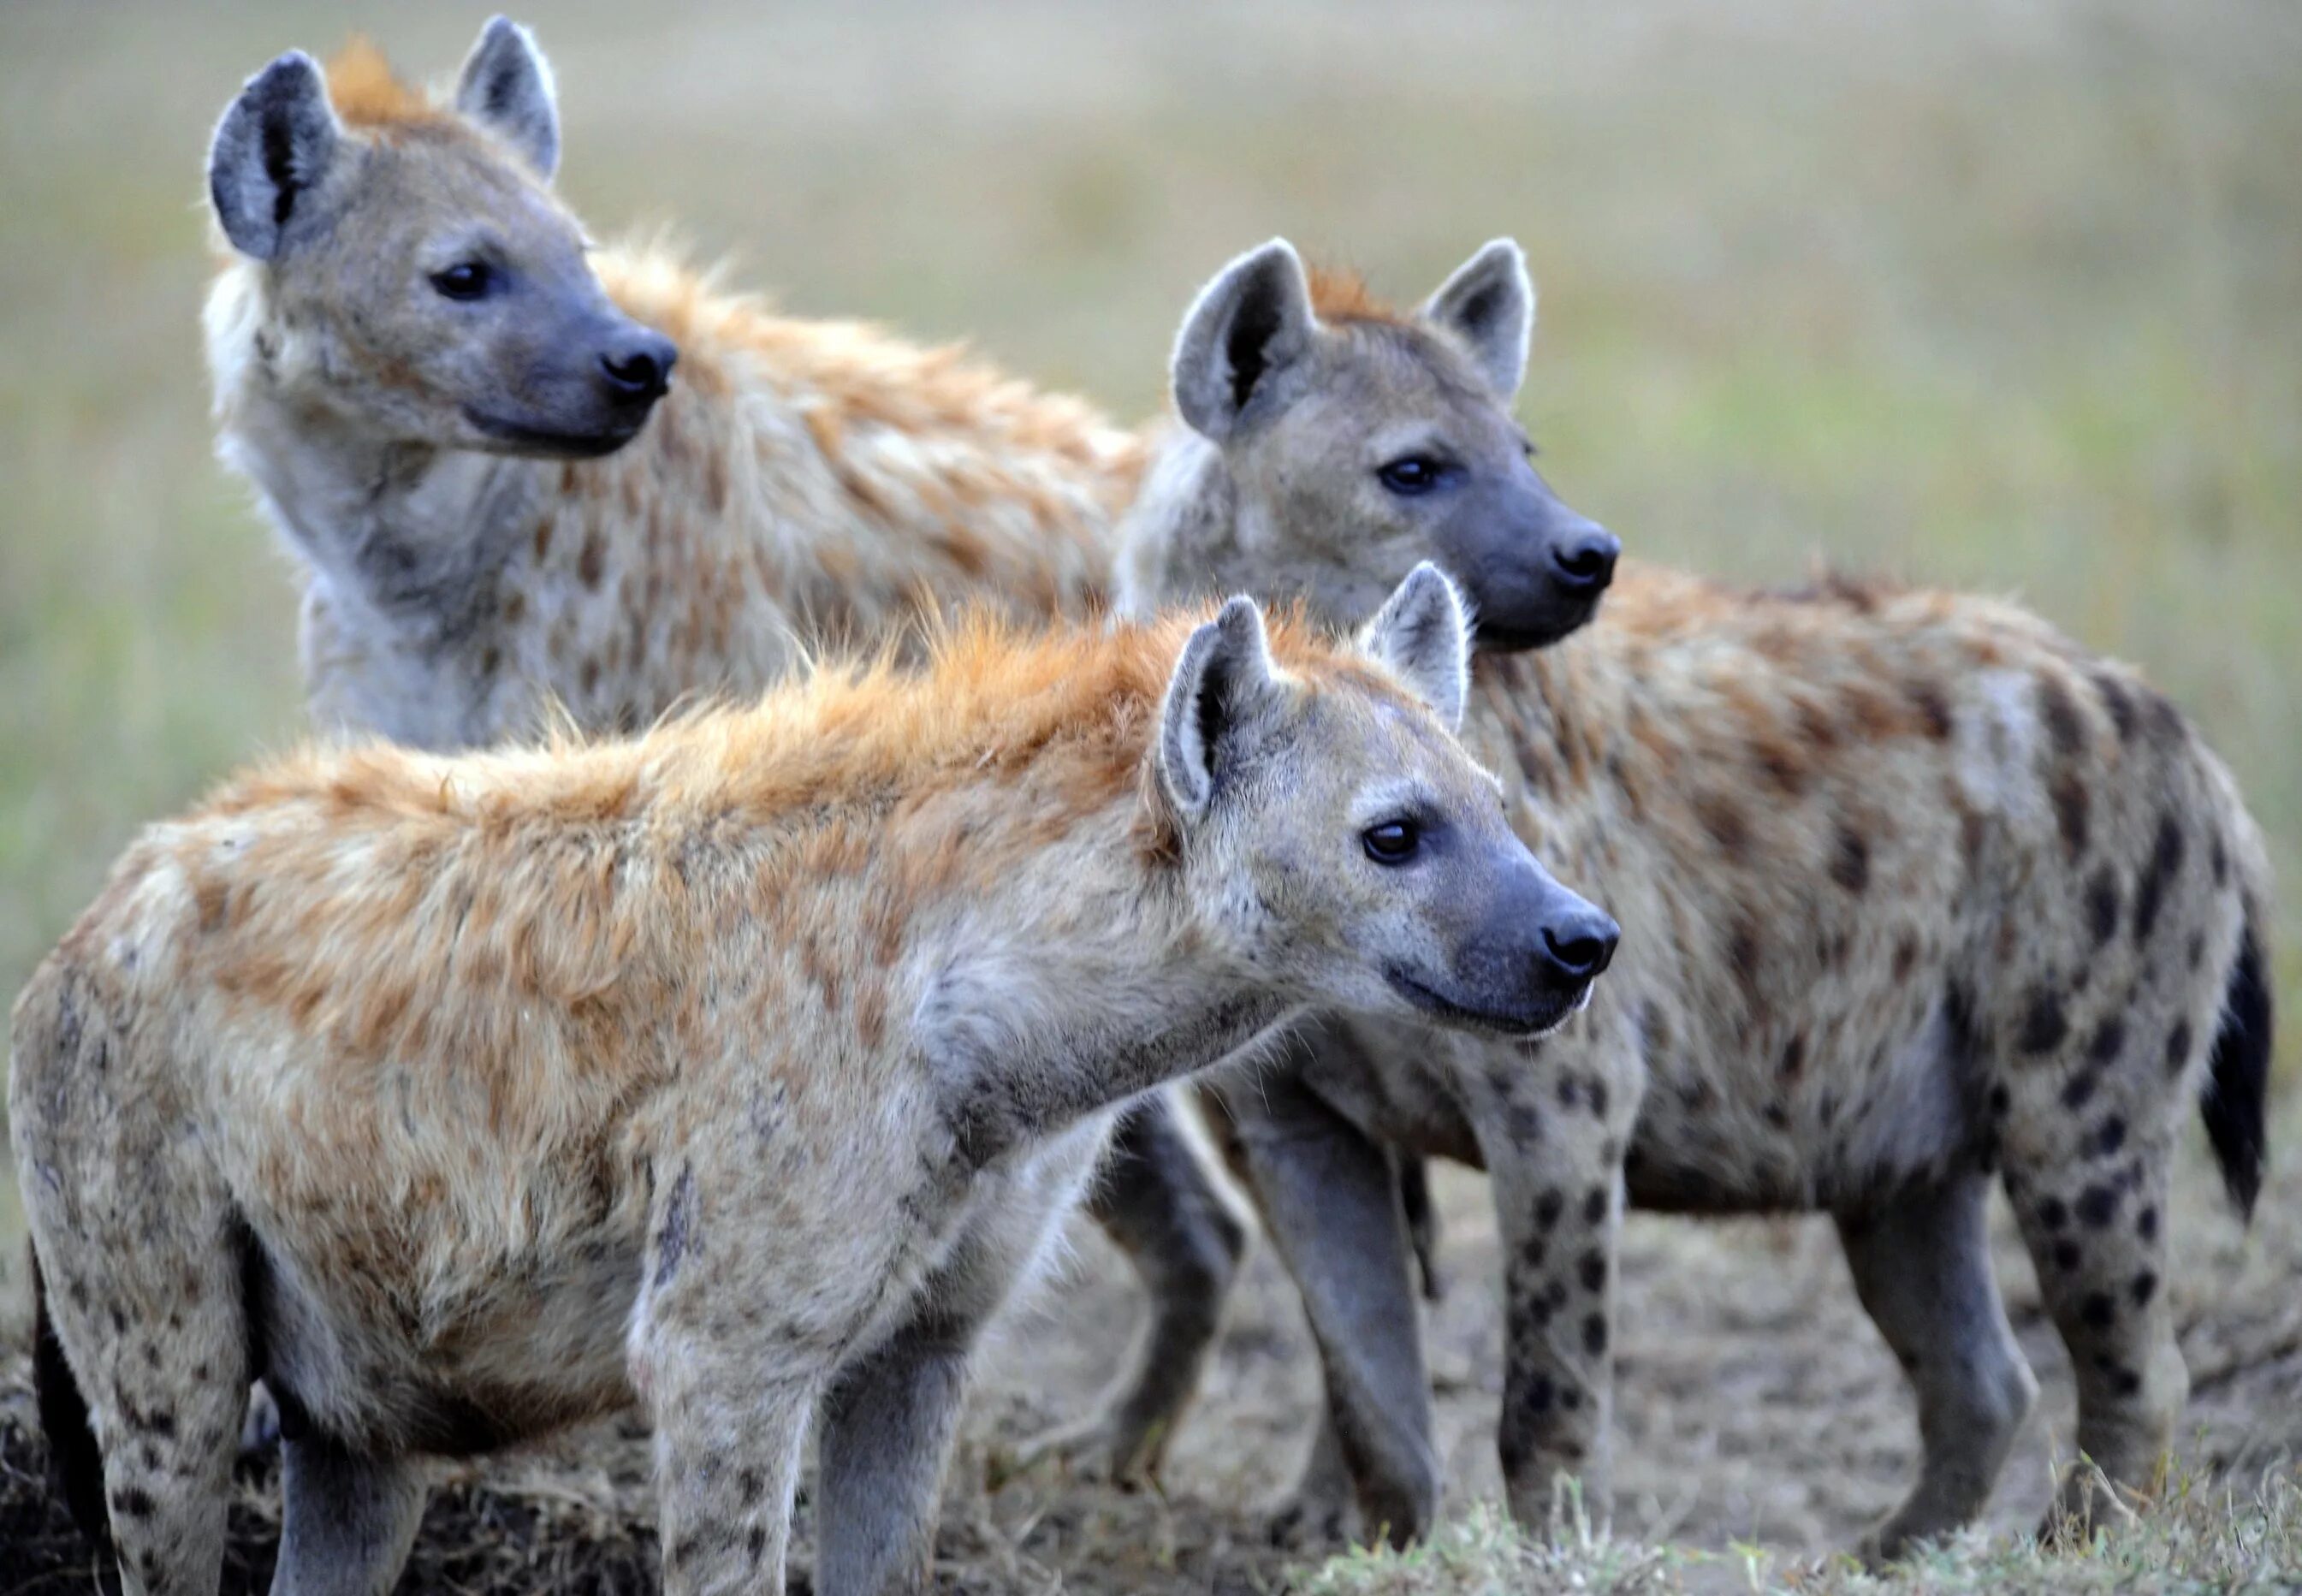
[
  {"x": 888, "y": 1423},
  {"x": 1552, "y": 1126},
  {"x": 1330, "y": 1201},
  {"x": 348, "y": 1521},
  {"x": 1921, "y": 1264},
  {"x": 1157, "y": 1204},
  {"x": 729, "y": 1428}
]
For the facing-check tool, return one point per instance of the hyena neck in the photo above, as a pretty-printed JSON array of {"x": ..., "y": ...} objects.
[
  {"x": 1181, "y": 532},
  {"x": 1026, "y": 1038}
]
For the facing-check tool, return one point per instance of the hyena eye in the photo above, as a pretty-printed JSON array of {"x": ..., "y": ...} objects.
[
  {"x": 1393, "y": 842},
  {"x": 466, "y": 280},
  {"x": 1412, "y": 474}
]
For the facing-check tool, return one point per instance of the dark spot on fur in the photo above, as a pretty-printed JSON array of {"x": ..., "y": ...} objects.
[
  {"x": 2061, "y": 716},
  {"x": 2116, "y": 700},
  {"x": 1595, "y": 1334},
  {"x": 2072, "y": 810},
  {"x": 2144, "y": 1287},
  {"x": 2000, "y": 1101},
  {"x": 2097, "y": 1205},
  {"x": 1594, "y": 1205},
  {"x": 1537, "y": 1395},
  {"x": 2109, "y": 1036},
  {"x": 1548, "y": 1206},
  {"x": 1728, "y": 826},
  {"x": 591, "y": 561},
  {"x": 1778, "y": 1116},
  {"x": 2097, "y": 1310},
  {"x": 1849, "y": 860},
  {"x": 2066, "y": 1255},
  {"x": 1743, "y": 948},
  {"x": 1932, "y": 705},
  {"x": 2079, "y": 1090},
  {"x": 1794, "y": 1056},
  {"x": 677, "y": 1235},
  {"x": 755, "y": 1544},
  {"x": 2125, "y": 1381},
  {"x": 2109, "y": 1137},
  {"x": 135, "y": 1501},
  {"x": 2178, "y": 1047},
  {"x": 2157, "y": 876},
  {"x": 2044, "y": 1026},
  {"x": 1592, "y": 1268},
  {"x": 1570, "y": 1398},
  {"x": 2218, "y": 858},
  {"x": 1906, "y": 955},
  {"x": 2102, "y": 903},
  {"x": 1569, "y": 1086},
  {"x": 2146, "y": 1225},
  {"x": 2051, "y": 1214},
  {"x": 2197, "y": 952},
  {"x": 1596, "y": 1090},
  {"x": 1532, "y": 1252}
]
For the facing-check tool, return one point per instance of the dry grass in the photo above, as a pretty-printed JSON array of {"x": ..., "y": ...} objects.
[{"x": 1998, "y": 293}]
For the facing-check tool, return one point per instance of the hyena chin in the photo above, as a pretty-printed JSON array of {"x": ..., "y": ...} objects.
[
  {"x": 1922, "y": 897},
  {"x": 462, "y": 1098}
]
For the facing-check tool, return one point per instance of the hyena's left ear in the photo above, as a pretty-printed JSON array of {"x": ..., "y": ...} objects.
[
  {"x": 1222, "y": 679},
  {"x": 1489, "y": 303},
  {"x": 1423, "y": 635},
  {"x": 506, "y": 88}
]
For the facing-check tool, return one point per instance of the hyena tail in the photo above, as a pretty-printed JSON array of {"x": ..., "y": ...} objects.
[
  {"x": 75, "y": 1462},
  {"x": 2239, "y": 1079}
]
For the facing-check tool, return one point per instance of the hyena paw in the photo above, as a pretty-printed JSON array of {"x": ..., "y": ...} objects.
[{"x": 1306, "y": 1525}]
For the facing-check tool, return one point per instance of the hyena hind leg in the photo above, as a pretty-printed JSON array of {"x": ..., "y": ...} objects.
[
  {"x": 2096, "y": 1230},
  {"x": 348, "y": 1521},
  {"x": 1922, "y": 1265}
]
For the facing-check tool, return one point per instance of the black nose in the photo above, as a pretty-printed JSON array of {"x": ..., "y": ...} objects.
[
  {"x": 1578, "y": 947},
  {"x": 640, "y": 367},
  {"x": 1585, "y": 560}
]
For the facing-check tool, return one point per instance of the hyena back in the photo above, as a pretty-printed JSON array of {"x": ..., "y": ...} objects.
[
  {"x": 1916, "y": 891},
  {"x": 460, "y": 1099}
]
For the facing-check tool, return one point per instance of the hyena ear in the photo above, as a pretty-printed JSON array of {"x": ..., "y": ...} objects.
[
  {"x": 1224, "y": 675},
  {"x": 1245, "y": 329},
  {"x": 506, "y": 88},
  {"x": 1489, "y": 303},
  {"x": 1423, "y": 635},
  {"x": 271, "y": 149}
]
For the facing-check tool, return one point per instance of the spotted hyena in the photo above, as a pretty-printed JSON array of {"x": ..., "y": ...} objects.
[
  {"x": 740, "y": 1068},
  {"x": 1918, "y": 895},
  {"x": 513, "y": 471}
]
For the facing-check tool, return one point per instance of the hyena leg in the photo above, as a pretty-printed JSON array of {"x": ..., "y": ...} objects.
[
  {"x": 2096, "y": 1229},
  {"x": 348, "y": 1521},
  {"x": 889, "y": 1421},
  {"x": 1155, "y": 1201},
  {"x": 146, "y": 1303},
  {"x": 1921, "y": 1264},
  {"x": 1552, "y": 1129},
  {"x": 1330, "y": 1200},
  {"x": 727, "y": 1437}
]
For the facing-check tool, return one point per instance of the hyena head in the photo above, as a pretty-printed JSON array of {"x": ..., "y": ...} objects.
[
  {"x": 1358, "y": 441},
  {"x": 414, "y": 276},
  {"x": 1339, "y": 838}
]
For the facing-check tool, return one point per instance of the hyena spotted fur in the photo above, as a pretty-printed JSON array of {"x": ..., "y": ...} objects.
[
  {"x": 487, "y": 521},
  {"x": 740, "y": 1068},
  {"x": 1917, "y": 895},
  {"x": 516, "y": 474}
]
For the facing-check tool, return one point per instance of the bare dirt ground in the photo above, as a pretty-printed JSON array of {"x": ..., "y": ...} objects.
[{"x": 1755, "y": 1405}]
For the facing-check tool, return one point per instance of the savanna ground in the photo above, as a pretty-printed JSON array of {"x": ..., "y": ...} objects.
[{"x": 2005, "y": 296}]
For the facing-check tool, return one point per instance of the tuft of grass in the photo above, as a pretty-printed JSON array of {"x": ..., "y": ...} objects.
[{"x": 2203, "y": 1536}]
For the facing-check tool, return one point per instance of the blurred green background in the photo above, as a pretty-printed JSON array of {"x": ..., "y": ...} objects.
[{"x": 2001, "y": 295}]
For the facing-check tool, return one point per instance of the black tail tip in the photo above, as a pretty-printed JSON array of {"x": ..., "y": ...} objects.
[
  {"x": 2238, "y": 1082},
  {"x": 75, "y": 1462}
]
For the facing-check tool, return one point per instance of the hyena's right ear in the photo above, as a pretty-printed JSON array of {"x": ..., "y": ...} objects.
[
  {"x": 1246, "y": 328},
  {"x": 1225, "y": 676},
  {"x": 507, "y": 88},
  {"x": 270, "y": 151}
]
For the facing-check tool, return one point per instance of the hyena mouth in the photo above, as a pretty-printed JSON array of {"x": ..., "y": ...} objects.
[
  {"x": 1530, "y": 1023},
  {"x": 523, "y": 438}
]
